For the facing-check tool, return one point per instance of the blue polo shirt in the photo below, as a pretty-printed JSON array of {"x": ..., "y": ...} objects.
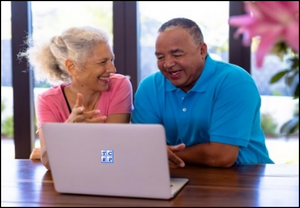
[{"x": 223, "y": 106}]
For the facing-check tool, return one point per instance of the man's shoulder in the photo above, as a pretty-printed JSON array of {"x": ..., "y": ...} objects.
[
  {"x": 154, "y": 82},
  {"x": 153, "y": 78},
  {"x": 232, "y": 70}
]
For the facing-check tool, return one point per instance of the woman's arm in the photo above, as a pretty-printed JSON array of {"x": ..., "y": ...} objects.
[
  {"x": 43, "y": 151},
  {"x": 118, "y": 118}
]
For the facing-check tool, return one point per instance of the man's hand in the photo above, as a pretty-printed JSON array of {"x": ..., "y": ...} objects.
[{"x": 174, "y": 160}]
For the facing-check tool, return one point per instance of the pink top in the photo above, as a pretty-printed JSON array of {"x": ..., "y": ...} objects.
[{"x": 51, "y": 105}]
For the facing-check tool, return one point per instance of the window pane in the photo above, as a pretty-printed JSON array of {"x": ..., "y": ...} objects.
[
  {"x": 278, "y": 107},
  {"x": 278, "y": 102},
  {"x": 214, "y": 27},
  {"x": 7, "y": 151},
  {"x": 51, "y": 18}
]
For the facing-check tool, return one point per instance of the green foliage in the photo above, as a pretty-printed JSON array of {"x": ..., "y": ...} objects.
[
  {"x": 42, "y": 85},
  {"x": 268, "y": 125},
  {"x": 7, "y": 125},
  {"x": 291, "y": 126},
  {"x": 2, "y": 106},
  {"x": 277, "y": 93},
  {"x": 291, "y": 77}
]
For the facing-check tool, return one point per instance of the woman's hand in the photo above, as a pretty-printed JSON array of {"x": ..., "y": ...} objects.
[
  {"x": 35, "y": 154},
  {"x": 79, "y": 115}
]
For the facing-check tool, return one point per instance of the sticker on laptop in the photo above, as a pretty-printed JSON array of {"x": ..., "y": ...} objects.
[{"x": 107, "y": 156}]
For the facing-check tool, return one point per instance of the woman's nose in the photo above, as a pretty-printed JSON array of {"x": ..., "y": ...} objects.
[{"x": 111, "y": 68}]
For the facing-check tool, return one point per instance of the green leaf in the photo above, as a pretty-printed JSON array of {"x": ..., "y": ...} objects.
[
  {"x": 290, "y": 79},
  {"x": 290, "y": 126},
  {"x": 295, "y": 62},
  {"x": 296, "y": 92},
  {"x": 278, "y": 76}
]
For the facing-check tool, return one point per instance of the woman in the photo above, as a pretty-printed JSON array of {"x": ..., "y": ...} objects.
[{"x": 80, "y": 63}]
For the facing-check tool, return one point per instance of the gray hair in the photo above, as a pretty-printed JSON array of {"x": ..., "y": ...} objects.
[
  {"x": 48, "y": 58},
  {"x": 187, "y": 24}
]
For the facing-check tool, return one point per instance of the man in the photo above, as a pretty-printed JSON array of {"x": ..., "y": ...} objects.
[{"x": 210, "y": 109}]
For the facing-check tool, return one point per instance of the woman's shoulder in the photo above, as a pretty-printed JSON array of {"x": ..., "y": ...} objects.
[
  {"x": 119, "y": 77},
  {"x": 52, "y": 91}
]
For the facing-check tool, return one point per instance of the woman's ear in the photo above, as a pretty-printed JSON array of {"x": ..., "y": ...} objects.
[{"x": 71, "y": 67}]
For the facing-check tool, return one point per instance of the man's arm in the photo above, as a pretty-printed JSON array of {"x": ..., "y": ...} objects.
[{"x": 211, "y": 154}]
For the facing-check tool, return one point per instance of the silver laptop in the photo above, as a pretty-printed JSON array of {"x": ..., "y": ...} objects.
[{"x": 125, "y": 160}]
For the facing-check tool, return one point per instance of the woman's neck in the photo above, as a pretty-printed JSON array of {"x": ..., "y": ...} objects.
[{"x": 90, "y": 98}]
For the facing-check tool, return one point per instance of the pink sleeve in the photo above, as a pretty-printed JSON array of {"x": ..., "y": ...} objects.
[
  {"x": 43, "y": 112},
  {"x": 51, "y": 107}
]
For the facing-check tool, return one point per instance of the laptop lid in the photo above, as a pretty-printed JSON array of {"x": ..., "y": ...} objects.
[{"x": 126, "y": 160}]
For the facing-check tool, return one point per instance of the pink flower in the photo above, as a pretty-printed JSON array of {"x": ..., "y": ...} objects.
[{"x": 273, "y": 21}]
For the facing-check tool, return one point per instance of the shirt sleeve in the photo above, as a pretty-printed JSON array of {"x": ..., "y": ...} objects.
[
  {"x": 44, "y": 112},
  {"x": 51, "y": 107},
  {"x": 236, "y": 109}
]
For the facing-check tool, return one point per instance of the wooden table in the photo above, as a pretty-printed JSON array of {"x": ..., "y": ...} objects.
[{"x": 26, "y": 183}]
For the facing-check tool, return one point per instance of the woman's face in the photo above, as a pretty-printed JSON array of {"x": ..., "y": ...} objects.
[{"x": 98, "y": 67}]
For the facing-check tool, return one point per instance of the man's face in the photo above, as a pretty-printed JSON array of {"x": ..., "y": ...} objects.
[{"x": 178, "y": 57}]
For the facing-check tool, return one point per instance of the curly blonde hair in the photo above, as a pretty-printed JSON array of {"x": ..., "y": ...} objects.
[{"x": 47, "y": 58}]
